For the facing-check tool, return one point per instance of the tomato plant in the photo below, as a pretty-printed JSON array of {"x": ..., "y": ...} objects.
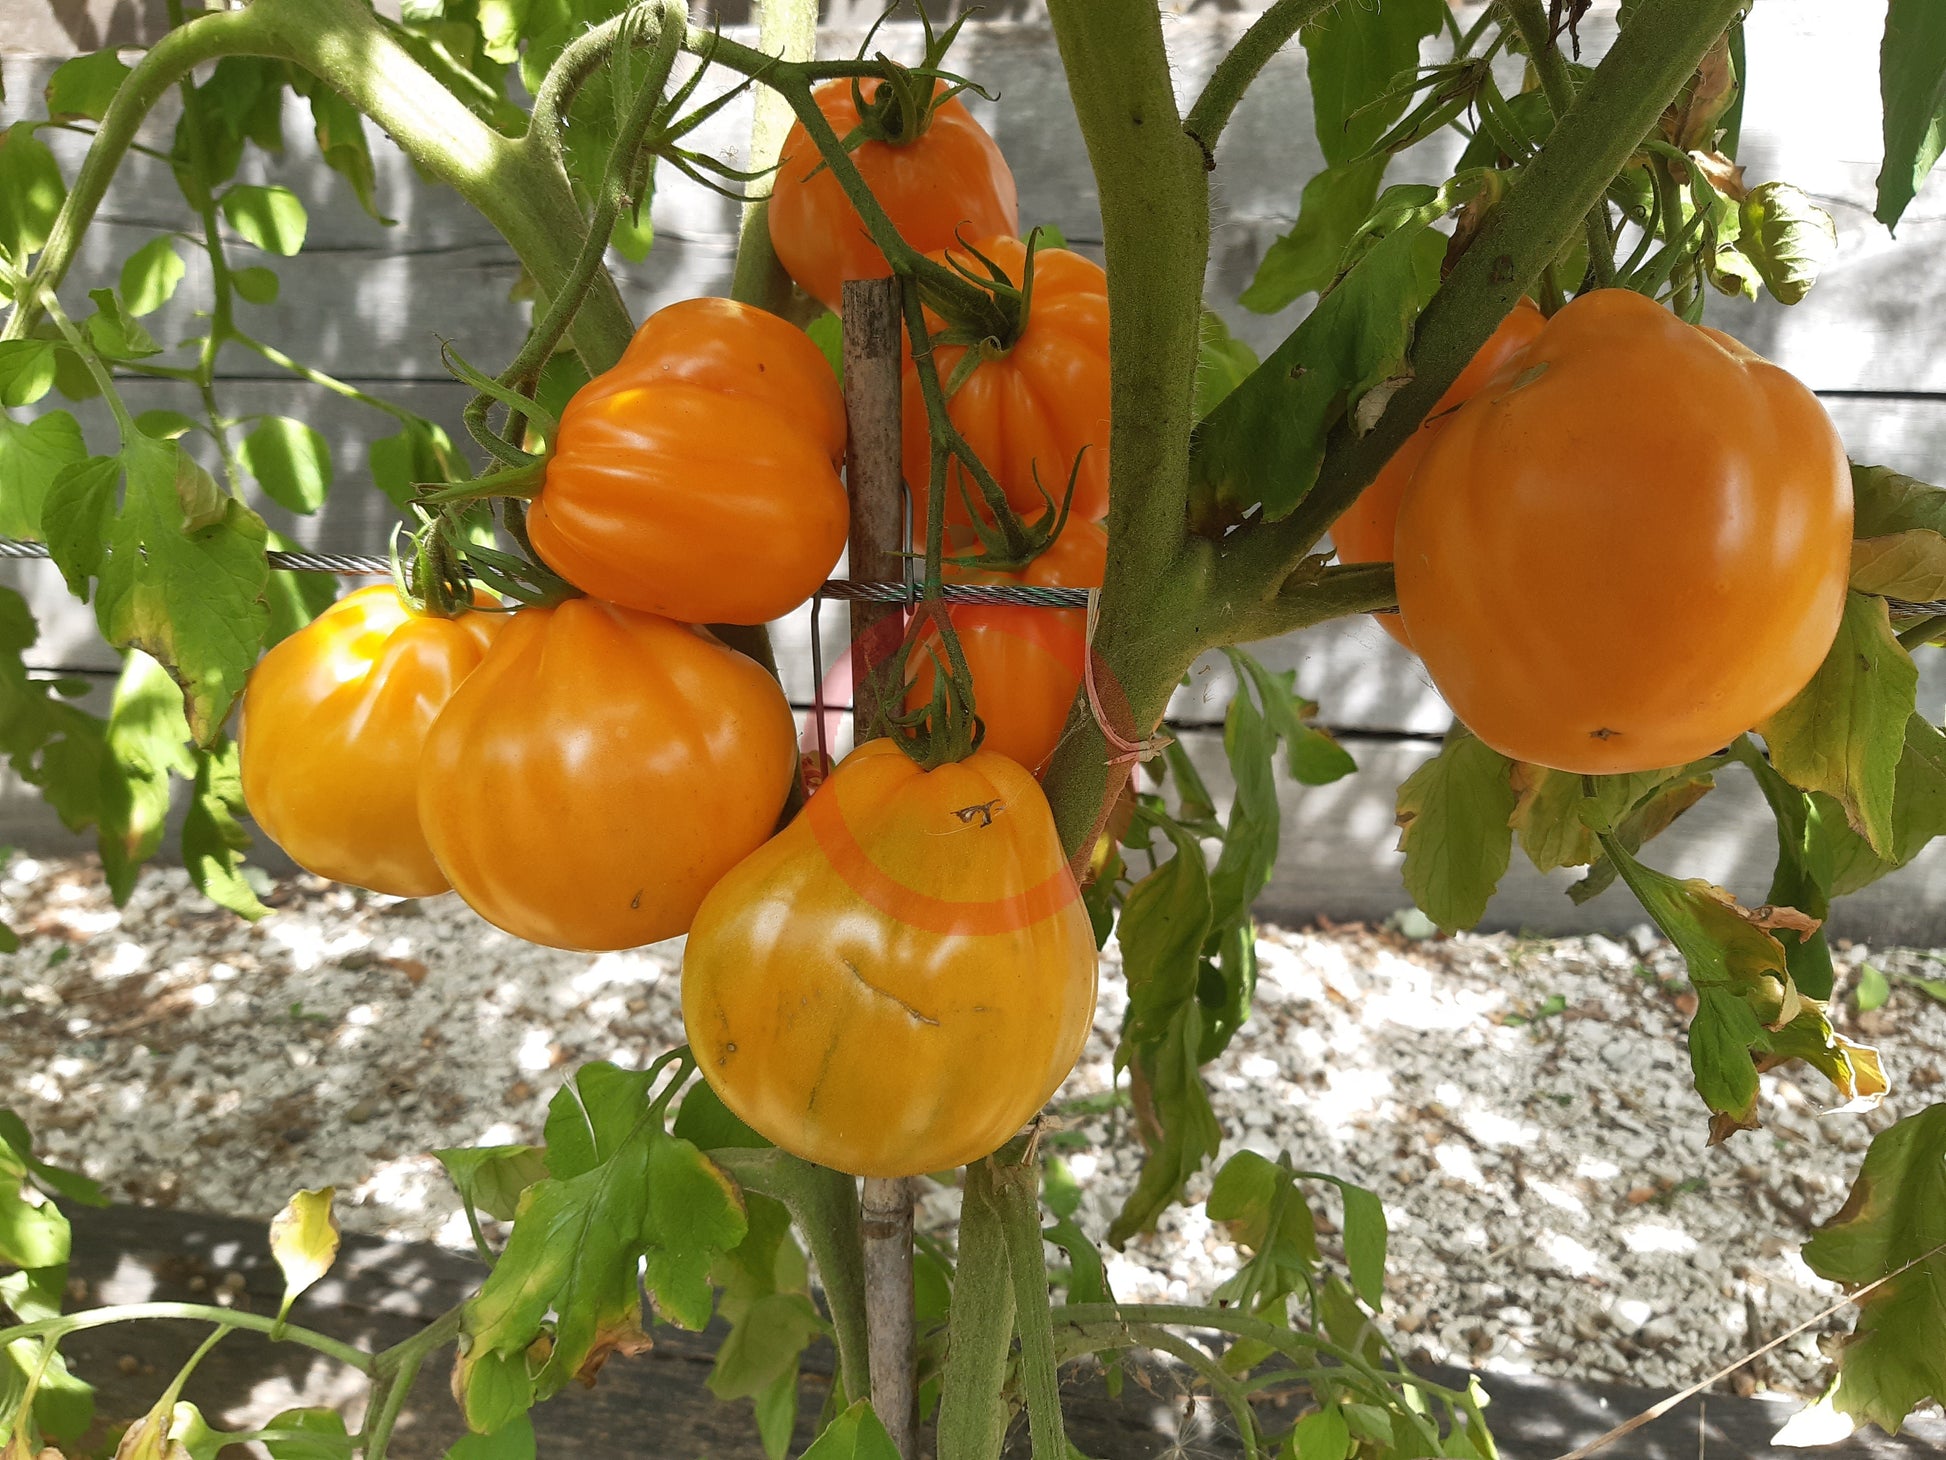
[
  {"x": 332, "y": 728},
  {"x": 897, "y": 982},
  {"x": 698, "y": 477},
  {"x": 1624, "y": 494},
  {"x": 1632, "y": 555},
  {"x": 599, "y": 771}
]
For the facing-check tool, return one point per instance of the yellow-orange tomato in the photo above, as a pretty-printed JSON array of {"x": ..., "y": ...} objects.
[
  {"x": 1029, "y": 412},
  {"x": 899, "y": 980},
  {"x": 698, "y": 479},
  {"x": 1026, "y": 662},
  {"x": 334, "y": 720},
  {"x": 1364, "y": 533},
  {"x": 599, "y": 771},
  {"x": 1630, "y": 546},
  {"x": 948, "y": 181}
]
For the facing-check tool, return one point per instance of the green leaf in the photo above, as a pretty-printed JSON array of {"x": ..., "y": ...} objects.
[
  {"x": 1305, "y": 260},
  {"x": 1454, "y": 817},
  {"x": 113, "y": 332},
  {"x": 81, "y": 89},
  {"x": 182, "y": 576},
  {"x": 256, "y": 284},
  {"x": 213, "y": 839},
  {"x": 341, "y": 138},
  {"x": 1803, "y": 876},
  {"x": 1322, "y": 1435},
  {"x": 1909, "y": 565},
  {"x": 1887, "y": 501},
  {"x": 512, "y": 1441},
  {"x": 1164, "y": 922},
  {"x": 1356, "y": 52},
  {"x": 1740, "y": 976},
  {"x": 77, "y": 512},
  {"x": 1873, "y": 989},
  {"x": 164, "y": 425},
  {"x": 704, "y": 1119},
  {"x": 304, "y": 1241},
  {"x": 31, "y": 192},
  {"x": 421, "y": 452},
  {"x": 1896, "y": 1215},
  {"x": 1912, "y": 90},
  {"x": 1223, "y": 362},
  {"x": 1845, "y": 731},
  {"x": 764, "y": 1345},
  {"x": 1177, "y": 1124},
  {"x": 1250, "y": 834},
  {"x": 1365, "y": 1240},
  {"x": 827, "y": 332},
  {"x": 1556, "y": 817},
  {"x": 70, "y": 1184},
  {"x": 31, "y": 456},
  {"x": 1264, "y": 442},
  {"x": 1259, "y": 1201},
  {"x": 695, "y": 1214},
  {"x": 332, "y": 1442},
  {"x": 593, "y": 1115},
  {"x": 290, "y": 461},
  {"x": 26, "y": 371},
  {"x": 492, "y": 1178},
  {"x": 146, "y": 748},
  {"x": 1788, "y": 237},
  {"x": 150, "y": 275},
  {"x": 1652, "y": 816},
  {"x": 854, "y": 1435},
  {"x": 271, "y": 218}
]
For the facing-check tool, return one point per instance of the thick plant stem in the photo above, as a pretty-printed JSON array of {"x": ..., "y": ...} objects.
[
  {"x": 1154, "y": 190},
  {"x": 1268, "y": 34},
  {"x": 1613, "y": 112},
  {"x": 1531, "y": 21},
  {"x": 972, "y": 1407},
  {"x": 1017, "y": 1187},
  {"x": 824, "y": 1207},
  {"x": 788, "y": 30},
  {"x": 889, "y": 1313},
  {"x": 522, "y": 193},
  {"x": 874, "y": 480}
]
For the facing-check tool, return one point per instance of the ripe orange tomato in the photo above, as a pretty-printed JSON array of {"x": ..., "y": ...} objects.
[
  {"x": 599, "y": 771},
  {"x": 1364, "y": 533},
  {"x": 698, "y": 479},
  {"x": 899, "y": 980},
  {"x": 949, "y": 180},
  {"x": 334, "y": 719},
  {"x": 1630, "y": 546},
  {"x": 1026, "y": 662},
  {"x": 1032, "y": 408}
]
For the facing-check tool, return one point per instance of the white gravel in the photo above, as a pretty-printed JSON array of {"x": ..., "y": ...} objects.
[{"x": 1553, "y": 1207}]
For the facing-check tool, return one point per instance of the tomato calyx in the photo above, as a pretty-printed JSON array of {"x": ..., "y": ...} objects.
[
  {"x": 1008, "y": 543},
  {"x": 901, "y": 107},
  {"x": 988, "y": 318},
  {"x": 946, "y": 728}
]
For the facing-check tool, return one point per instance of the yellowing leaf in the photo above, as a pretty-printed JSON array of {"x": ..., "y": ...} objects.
[
  {"x": 1909, "y": 565},
  {"x": 1454, "y": 819},
  {"x": 304, "y": 1240}
]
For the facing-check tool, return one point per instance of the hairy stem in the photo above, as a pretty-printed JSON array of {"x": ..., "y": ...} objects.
[
  {"x": 1017, "y": 1188},
  {"x": 1155, "y": 229},
  {"x": 972, "y": 1403},
  {"x": 344, "y": 1353},
  {"x": 1544, "y": 49},
  {"x": 1268, "y": 34}
]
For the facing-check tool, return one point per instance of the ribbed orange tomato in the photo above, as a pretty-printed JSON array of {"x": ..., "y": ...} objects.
[
  {"x": 698, "y": 479},
  {"x": 1363, "y": 534},
  {"x": 1630, "y": 546},
  {"x": 599, "y": 771},
  {"x": 947, "y": 181},
  {"x": 899, "y": 980},
  {"x": 1029, "y": 410},
  {"x": 334, "y": 720},
  {"x": 1026, "y": 662}
]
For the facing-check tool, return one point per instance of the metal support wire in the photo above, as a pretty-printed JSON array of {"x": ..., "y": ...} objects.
[{"x": 352, "y": 565}]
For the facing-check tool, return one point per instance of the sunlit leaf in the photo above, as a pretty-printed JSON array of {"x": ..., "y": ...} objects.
[
  {"x": 81, "y": 89},
  {"x": 304, "y": 1240},
  {"x": 1912, "y": 91},
  {"x": 150, "y": 276},
  {"x": 1455, "y": 831},
  {"x": 493, "y": 1177},
  {"x": 213, "y": 838},
  {"x": 270, "y": 217},
  {"x": 31, "y": 456},
  {"x": 290, "y": 461},
  {"x": 31, "y": 191},
  {"x": 1895, "y": 1216},
  {"x": 26, "y": 371},
  {"x": 695, "y": 1214}
]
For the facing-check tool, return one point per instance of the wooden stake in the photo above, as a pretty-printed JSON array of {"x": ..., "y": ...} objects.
[
  {"x": 872, "y": 476},
  {"x": 872, "y": 365}
]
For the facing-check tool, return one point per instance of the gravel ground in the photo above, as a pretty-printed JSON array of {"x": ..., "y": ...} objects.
[{"x": 1522, "y": 1106}]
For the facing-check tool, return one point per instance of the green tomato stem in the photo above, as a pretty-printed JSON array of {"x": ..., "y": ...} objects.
[
  {"x": 56, "y": 1328},
  {"x": 1017, "y": 1189},
  {"x": 1531, "y": 21},
  {"x": 1268, "y": 34},
  {"x": 972, "y": 1406}
]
